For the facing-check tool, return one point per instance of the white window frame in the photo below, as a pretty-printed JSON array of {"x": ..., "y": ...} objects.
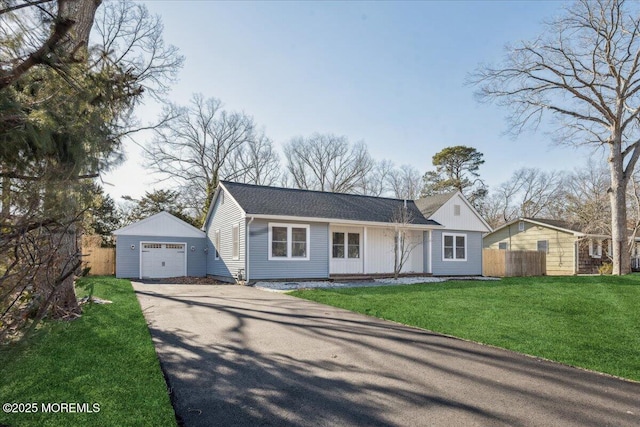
[
  {"x": 595, "y": 248},
  {"x": 216, "y": 244},
  {"x": 506, "y": 246},
  {"x": 289, "y": 228},
  {"x": 235, "y": 241},
  {"x": 454, "y": 235},
  {"x": 456, "y": 210},
  {"x": 521, "y": 226},
  {"x": 346, "y": 244}
]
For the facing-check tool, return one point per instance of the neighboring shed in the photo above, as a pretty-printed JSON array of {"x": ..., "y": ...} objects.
[
  {"x": 569, "y": 249},
  {"x": 160, "y": 246}
]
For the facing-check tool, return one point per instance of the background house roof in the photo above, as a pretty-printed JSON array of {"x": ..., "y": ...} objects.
[
  {"x": 430, "y": 204},
  {"x": 260, "y": 200},
  {"x": 567, "y": 226}
]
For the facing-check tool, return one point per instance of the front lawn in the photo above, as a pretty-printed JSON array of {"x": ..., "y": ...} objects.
[
  {"x": 591, "y": 322},
  {"x": 106, "y": 358}
]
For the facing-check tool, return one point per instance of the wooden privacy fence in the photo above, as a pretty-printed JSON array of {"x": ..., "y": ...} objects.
[
  {"x": 502, "y": 263},
  {"x": 102, "y": 261}
]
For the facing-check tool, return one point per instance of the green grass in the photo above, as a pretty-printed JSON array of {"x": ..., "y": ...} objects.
[
  {"x": 105, "y": 357},
  {"x": 591, "y": 322}
]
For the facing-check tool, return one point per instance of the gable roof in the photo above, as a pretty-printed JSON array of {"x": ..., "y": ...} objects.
[
  {"x": 435, "y": 208},
  {"x": 556, "y": 224},
  {"x": 276, "y": 201},
  {"x": 430, "y": 204},
  {"x": 160, "y": 224}
]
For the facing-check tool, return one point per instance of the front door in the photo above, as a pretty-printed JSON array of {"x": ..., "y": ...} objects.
[{"x": 346, "y": 251}]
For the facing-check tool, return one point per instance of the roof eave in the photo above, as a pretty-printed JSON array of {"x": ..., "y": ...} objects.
[{"x": 342, "y": 221}]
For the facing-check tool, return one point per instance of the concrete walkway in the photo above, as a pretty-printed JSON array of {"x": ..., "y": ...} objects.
[{"x": 244, "y": 357}]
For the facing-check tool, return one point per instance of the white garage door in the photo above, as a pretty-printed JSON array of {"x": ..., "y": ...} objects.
[{"x": 160, "y": 260}]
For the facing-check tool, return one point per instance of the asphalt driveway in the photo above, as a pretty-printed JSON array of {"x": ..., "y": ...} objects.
[{"x": 240, "y": 356}]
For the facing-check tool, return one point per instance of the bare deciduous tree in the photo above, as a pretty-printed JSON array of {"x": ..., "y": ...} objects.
[
  {"x": 129, "y": 38},
  {"x": 532, "y": 193},
  {"x": 584, "y": 73},
  {"x": 327, "y": 162},
  {"x": 405, "y": 182},
  {"x": 257, "y": 162},
  {"x": 195, "y": 149},
  {"x": 404, "y": 241},
  {"x": 586, "y": 200}
]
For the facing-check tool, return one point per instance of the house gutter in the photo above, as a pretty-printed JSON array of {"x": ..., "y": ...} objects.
[{"x": 246, "y": 248}]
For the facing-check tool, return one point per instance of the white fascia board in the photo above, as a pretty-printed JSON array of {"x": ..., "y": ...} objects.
[{"x": 337, "y": 221}]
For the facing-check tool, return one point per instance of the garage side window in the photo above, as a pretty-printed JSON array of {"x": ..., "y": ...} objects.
[
  {"x": 288, "y": 241},
  {"x": 235, "y": 233}
]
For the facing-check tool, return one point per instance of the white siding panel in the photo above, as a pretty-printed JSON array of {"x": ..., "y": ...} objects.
[
  {"x": 379, "y": 250},
  {"x": 467, "y": 220},
  {"x": 414, "y": 263}
]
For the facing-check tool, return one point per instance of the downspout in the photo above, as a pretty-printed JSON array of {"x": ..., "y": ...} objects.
[{"x": 247, "y": 234}]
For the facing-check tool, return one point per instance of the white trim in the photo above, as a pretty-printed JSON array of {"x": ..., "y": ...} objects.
[
  {"x": 362, "y": 250},
  {"x": 289, "y": 227},
  {"x": 345, "y": 222},
  {"x": 455, "y": 235},
  {"x": 429, "y": 252},
  {"x": 594, "y": 245},
  {"x": 247, "y": 238},
  {"x": 235, "y": 241},
  {"x": 141, "y": 243},
  {"x": 216, "y": 244},
  {"x": 214, "y": 199}
]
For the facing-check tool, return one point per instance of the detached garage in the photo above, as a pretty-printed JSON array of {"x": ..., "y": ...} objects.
[{"x": 158, "y": 247}]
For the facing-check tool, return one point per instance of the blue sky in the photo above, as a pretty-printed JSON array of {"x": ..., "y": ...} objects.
[{"x": 391, "y": 74}]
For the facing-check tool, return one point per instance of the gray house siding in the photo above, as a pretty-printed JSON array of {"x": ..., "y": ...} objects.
[
  {"x": 473, "y": 264},
  {"x": 223, "y": 217},
  {"x": 260, "y": 267},
  {"x": 128, "y": 260}
]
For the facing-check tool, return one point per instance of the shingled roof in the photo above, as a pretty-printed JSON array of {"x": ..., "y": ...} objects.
[
  {"x": 430, "y": 204},
  {"x": 261, "y": 200}
]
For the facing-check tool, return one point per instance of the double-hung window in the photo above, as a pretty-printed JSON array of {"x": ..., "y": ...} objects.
[
  {"x": 288, "y": 241},
  {"x": 345, "y": 245},
  {"x": 454, "y": 247}
]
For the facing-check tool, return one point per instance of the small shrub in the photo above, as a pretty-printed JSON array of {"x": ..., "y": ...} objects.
[{"x": 606, "y": 268}]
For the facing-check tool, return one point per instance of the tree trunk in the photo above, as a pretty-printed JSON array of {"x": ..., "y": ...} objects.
[
  {"x": 64, "y": 301},
  {"x": 82, "y": 12},
  {"x": 618, "y": 199}
]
